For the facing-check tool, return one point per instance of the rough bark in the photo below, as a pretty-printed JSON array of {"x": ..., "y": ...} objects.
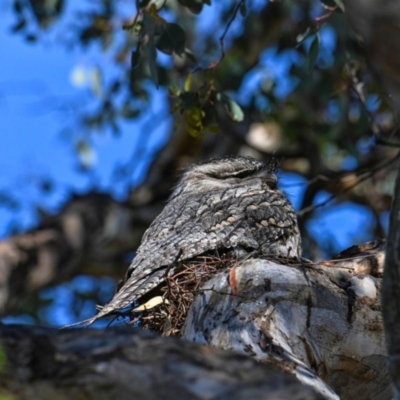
[
  {"x": 379, "y": 27},
  {"x": 321, "y": 322},
  {"x": 128, "y": 363},
  {"x": 391, "y": 293}
]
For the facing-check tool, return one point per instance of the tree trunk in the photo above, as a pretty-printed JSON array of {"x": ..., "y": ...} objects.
[
  {"x": 378, "y": 25},
  {"x": 391, "y": 293}
]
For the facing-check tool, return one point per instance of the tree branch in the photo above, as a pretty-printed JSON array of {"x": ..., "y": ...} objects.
[{"x": 127, "y": 364}]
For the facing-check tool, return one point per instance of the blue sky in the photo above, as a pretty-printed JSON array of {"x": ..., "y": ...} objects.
[{"x": 35, "y": 81}]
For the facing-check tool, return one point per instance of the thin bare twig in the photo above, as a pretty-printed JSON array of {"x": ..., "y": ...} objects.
[
  {"x": 325, "y": 16},
  {"x": 357, "y": 87},
  {"x": 228, "y": 25},
  {"x": 222, "y": 38},
  {"x": 367, "y": 175}
]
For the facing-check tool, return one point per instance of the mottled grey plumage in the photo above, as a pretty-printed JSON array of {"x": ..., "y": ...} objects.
[{"x": 219, "y": 204}]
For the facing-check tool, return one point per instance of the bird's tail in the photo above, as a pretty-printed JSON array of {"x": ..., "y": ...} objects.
[
  {"x": 131, "y": 291},
  {"x": 84, "y": 324}
]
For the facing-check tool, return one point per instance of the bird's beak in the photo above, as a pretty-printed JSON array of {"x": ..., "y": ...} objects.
[{"x": 271, "y": 179}]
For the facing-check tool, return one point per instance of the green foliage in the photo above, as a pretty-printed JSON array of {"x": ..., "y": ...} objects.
[
  {"x": 314, "y": 52},
  {"x": 195, "y": 6},
  {"x": 232, "y": 108},
  {"x": 3, "y": 366},
  {"x": 194, "y": 121},
  {"x": 6, "y": 397},
  {"x": 340, "y": 4},
  {"x": 3, "y": 360},
  {"x": 172, "y": 39}
]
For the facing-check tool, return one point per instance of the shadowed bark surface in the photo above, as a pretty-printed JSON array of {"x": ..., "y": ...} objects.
[
  {"x": 130, "y": 363},
  {"x": 379, "y": 28},
  {"x": 391, "y": 294}
]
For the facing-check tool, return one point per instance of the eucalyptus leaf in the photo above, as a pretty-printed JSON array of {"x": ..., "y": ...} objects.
[
  {"x": 189, "y": 99},
  {"x": 190, "y": 55},
  {"x": 314, "y": 52},
  {"x": 303, "y": 35},
  {"x": 340, "y": 4},
  {"x": 188, "y": 83},
  {"x": 135, "y": 58},
  {"x": 172, "y": 39},
  {"x": 233, "y": 108},
  {"x": 148, "y": 27},
  {"x": 195, "y": 6},
  {"x": 129, "y": 112},
  {"x": 151, "y": 58},
  {"x": 146, "y": 52}
]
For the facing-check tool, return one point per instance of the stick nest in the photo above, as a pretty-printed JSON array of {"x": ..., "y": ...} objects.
[{"x": 169, "y": 310}]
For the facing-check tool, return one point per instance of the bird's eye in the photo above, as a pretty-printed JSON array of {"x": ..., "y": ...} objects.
[
  {"x": 231, "y": 175},
  {"x": 242, "y": 174}
]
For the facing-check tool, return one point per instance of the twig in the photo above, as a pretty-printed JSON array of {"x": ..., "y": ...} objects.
[
  {"x": 367, "y": 175},
  {"x": 228, "y": 25},
  {"x": 357, "y": 87},
  {"x": 222, "y": 38},
  {"x": 326, "y": 15}
]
